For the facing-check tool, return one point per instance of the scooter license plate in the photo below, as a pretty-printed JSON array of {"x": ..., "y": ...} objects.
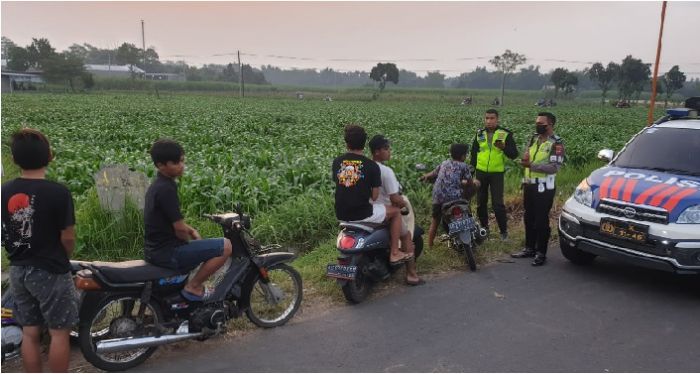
[
  {"x": 457, "y": 226},
  {"x": 341, "y": 271}
]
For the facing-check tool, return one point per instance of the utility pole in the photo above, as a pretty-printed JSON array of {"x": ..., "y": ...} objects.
[
  {"x": 652, "y": 102},
  {"x": 143, "y": 43},
  {"x": 240, "y": 76}
]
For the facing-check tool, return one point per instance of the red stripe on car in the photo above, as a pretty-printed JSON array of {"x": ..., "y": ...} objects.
[
  {"x": 658, "y": 198},
  {"x": 675, "y": 199},
  {"x": 648, "y": 192},
  {"x": 629, "y": 187},
  {"x": 615, "y": 190},
  {"x": 604, "y": 187}
]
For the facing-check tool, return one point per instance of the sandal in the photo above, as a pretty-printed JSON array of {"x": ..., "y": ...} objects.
[
  {"x": 406, "y": 257},
  {"x": 208, "y": 292}
]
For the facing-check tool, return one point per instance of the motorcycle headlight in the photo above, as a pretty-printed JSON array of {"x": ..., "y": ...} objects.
[
  {"x": 690, "y": 215},
  {"x": 583, "y": 193}
]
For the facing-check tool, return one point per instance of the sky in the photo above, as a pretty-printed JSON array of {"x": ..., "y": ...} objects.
[{"x": 452, "y": 37}]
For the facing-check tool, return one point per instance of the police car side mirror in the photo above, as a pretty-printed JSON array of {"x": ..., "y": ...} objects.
[{"x": 606, "y": 155}]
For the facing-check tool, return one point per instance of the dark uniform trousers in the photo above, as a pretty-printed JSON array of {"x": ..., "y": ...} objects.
[
  {"x": 491, "y": 182},
  {"x": 537, "y": 207}
]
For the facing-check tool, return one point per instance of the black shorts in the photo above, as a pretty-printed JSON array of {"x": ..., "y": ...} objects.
[{"x": 43, "y": 298}]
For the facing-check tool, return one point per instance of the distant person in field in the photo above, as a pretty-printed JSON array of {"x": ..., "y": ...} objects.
[
  {"x": 357, "y": 183},
  {"x": 38, "y": 225},
  {"x": 491, "y": 148},
  {"x": 169, "y": 241},
  {"x": 390, "y": 194},
  {"x": 451, "y": 177}
]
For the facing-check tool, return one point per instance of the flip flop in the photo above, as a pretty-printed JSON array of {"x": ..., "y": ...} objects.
[
  {"x": 413, "y": 284},
  {"x": 192, "y": 297},
  {"x": 405, "y": 258}
]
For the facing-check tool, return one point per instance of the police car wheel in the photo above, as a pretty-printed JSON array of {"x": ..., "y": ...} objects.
[{"x": 574, "y": 254}]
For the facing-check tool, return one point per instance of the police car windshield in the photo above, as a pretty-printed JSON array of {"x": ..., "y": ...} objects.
[{"x": 667, "y": 149}]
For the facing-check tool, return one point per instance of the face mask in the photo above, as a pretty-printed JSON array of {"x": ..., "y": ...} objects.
[{"x": 541, "y": 129}]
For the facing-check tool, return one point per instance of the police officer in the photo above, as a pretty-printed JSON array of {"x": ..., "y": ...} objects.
[
  {"x": 542, "y": 160},
  {"x": 491, "y": 147}
]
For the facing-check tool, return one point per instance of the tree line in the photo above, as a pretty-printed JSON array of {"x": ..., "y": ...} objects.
[{"x": 630, "y": 77}]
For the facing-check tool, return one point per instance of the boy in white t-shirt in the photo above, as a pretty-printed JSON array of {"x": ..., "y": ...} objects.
[{"x": 389, "y": 194}]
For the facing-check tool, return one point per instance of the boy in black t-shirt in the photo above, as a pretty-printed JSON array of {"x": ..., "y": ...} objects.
[
  {"x": 38, "y": 233},
  {"x": 169, "y": 241},
  {"x": 357, "y": 181}
]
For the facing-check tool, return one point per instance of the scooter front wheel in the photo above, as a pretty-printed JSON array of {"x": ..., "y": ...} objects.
[{"x": 469, "y": 256}]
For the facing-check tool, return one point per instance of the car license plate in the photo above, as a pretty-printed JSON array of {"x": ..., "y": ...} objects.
[
  {"x": 341, "y": 271},
  {"x": 457, "y": 226},
  {"x": 624, "y": 230}
]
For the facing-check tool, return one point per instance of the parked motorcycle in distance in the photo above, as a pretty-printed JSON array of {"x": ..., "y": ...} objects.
[
  {"x": 363, "y": 258},
  {"x": 130, "y": 308}
]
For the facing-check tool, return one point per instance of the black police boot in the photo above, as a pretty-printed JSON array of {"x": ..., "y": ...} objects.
[
  {"x": 524, "y": 253},
  {"x": 540, "y": 259}
]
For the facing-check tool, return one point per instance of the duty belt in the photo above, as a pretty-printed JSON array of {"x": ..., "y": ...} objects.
[{"x": 534, "y": 180}]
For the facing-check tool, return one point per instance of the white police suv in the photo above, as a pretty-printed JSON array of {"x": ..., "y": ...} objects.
[{"x": 644, "y": 206}]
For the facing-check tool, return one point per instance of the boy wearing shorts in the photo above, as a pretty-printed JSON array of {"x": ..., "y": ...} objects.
[
  {"x": 38, "y": 224},
  {"x": 169, "y": 241}
]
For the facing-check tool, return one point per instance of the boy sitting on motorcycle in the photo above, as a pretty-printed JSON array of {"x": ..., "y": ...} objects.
[
  {"x": 357, "y": 182},
  {"x": 452, "y": 176},
  {"x": 169, "y": 241},
  {"x": 389, "y": 194}
]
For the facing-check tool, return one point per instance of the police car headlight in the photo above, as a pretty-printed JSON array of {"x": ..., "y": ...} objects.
[
  {"x": 690, "y": 215},
  {"x": 583, "y": 193}
]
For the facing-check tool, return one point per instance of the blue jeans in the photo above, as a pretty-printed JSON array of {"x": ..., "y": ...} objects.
[{"x": 189, "y": 256}]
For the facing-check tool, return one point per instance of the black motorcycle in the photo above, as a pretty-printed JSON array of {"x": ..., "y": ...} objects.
[
  {"x": 130, "y": 308},
  {"x": 464, "y": 233},
  {"x": 364, "y": 257}
]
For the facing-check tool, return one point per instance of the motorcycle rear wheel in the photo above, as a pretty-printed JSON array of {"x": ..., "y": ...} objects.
[
  {"x": 357, "y": 290},
  {"x": 275, "y": 303},
  {"x": 99, "y": 326}
]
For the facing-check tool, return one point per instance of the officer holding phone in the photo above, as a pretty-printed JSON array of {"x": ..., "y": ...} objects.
[
  {"x": 542, "y": 160},
  {"x": 491, "y": 147}
]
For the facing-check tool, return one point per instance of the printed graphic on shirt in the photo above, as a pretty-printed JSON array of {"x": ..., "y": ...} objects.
[
  {"x": 21, "y": 209},
  {"x": 350, "y": 172}
]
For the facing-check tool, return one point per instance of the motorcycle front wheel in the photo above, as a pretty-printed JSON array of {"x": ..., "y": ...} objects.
[
  {"x": 116, "y": 317},
  {"x": 274, "y": 303}
]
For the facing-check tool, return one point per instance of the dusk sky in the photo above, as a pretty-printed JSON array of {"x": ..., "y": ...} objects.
[{"x": 452, "y": 37}]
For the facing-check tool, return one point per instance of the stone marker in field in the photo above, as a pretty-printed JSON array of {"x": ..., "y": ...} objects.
[{"x": 116, "y": 183}]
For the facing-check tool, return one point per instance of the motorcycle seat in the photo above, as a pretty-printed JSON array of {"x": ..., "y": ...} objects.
[
  {"x": 132, "y": 271},
  {"x": 364, "y": 226},
  {"x": 452, "y": 203}
]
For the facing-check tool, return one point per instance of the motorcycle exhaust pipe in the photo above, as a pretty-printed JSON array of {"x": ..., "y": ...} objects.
[
  {"x": 125, "y": 344},
  {"x": 483, "y": 233}
]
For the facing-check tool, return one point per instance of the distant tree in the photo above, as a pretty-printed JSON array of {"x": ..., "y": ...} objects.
[
  {"x": 558, "y": 78},
  {"x": 252, "y": 76},
  {"x": 673, "y": 81},
  {"x": 435, "y": 79},
  {"x": 128, "y": 54},
  {"x": 605, "y": 77},
  {"x": 78, "y": 50},
  {"x": 7, "y": 44},
  {"x": 506, "y": 64},
  {"x": 230, "y": 74},
  {"x": 383, "y": 73},
  {"x": 18, "y": 58},
  {"x": 633, "y": 77},
  {"x": 41, "y": 53},
  {"x": 570, "y": 83},
  {"x": 64, "y": 67}
]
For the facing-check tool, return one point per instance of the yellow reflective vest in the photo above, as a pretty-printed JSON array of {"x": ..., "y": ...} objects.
[{"x": 491, "y": 159}]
